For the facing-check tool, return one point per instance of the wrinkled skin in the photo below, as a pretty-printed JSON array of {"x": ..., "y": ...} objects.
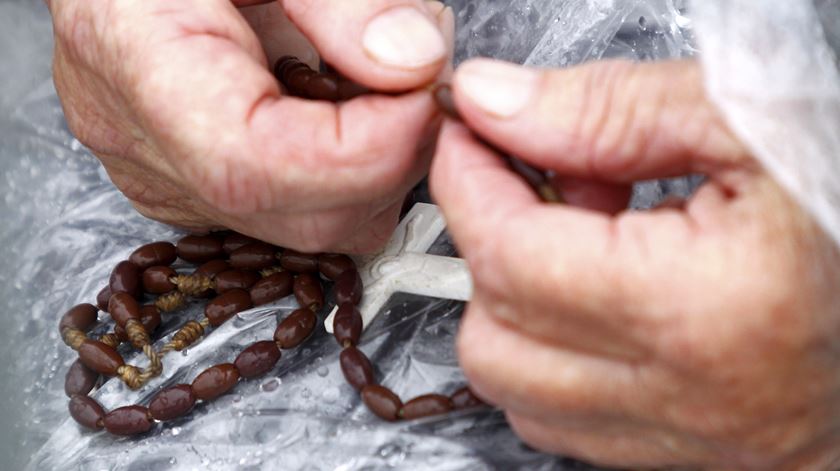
[
  {"x": 700, "y": 335},
  {"x": 177, "y": 101}
]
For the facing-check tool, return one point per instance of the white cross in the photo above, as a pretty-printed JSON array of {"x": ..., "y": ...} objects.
[{"x": 403, "y": 266}]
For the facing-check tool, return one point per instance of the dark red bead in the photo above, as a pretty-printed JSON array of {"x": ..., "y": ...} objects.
[
  {"x": 200, "y": 249},
  {"x": 271, "y": 288},
  {"x": 299, "y": 262},
  {"x": 128, "y": 420},
  {"x": 79, "y": 379},
  {"x": 332, "y": 265},
  {"x": 464, "y": 398},
  {"x": 125, "y": 278},
  {"x": 154, "y": 254},
  {"x": 258, "y": 359},
  {"x": 426, "y": 405},
  {"x": 226, "y": 305},
  {"x": 235, "y": 279},
  {"x": 347, "y": 325},
  {"x": 254, "y": 256},
  {"x": 348, "y": 287},
  {"x": 357, "y": 369},
  {"x": 122, "y": 307},
  {"x": 215, "y": 381},
  {"x": 100, "y": 358},
  {"x": 236, "y": 240},
  {"x": 172, "y": 402},
  {"x": 295, "y": 328},
  {"x": 382, "y": 402},
  {"x": 156, "y": 279},
  {"x": 86, "y": 411},
  {"x": 102, "y": 298},
  {"x": 308, "y": 291},
  {"x": 80, "y": 317}
]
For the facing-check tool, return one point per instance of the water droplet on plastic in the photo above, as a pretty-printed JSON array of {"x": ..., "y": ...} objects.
[
  {"x": 392, "y": 453},
  {"x": 176, "y": 431},
  {"x": 173, "y": 460},
  {"x": 643, "y": 23},
  {"x": 323, "y": 371},
  {"x": 270, "y": 385},
  {"x": 305, "y": 393},
  {"x": 330, "y": 395}
]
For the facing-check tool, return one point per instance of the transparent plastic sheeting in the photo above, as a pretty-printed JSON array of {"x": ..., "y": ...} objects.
[
  {"x": 64, "y": 226},
  {"x": 772, "y": 68}
]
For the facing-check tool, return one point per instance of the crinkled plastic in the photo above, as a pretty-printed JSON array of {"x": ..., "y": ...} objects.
[
  {"x": 64, "y": 226},
  {"x": 772, "y": 68}
]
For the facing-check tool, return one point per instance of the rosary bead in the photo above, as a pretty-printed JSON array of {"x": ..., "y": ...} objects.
[
  {"x": 464, "y": 398},
  {"x": 126, "y": 279},
  {"x": 299, "y": 262},
  {"x": 356, "y": 367},
  {"x": 322, "y": 87},
  {"x": 236, "y": 240},
  {"x": 442, "y": 95},
  {"x": 79, "y": 379},
  {"x": 154, "y": 254},
  {"x": 122, "y": 307},
  {"x": 156, "y": 279},
  {"x": 200, "y": 249},
  {"x": 295, "y": 328},
  {"x": 254, "y": 256},
  {"x": 348, "y": 287},
  {"x": 426, "y": 405},
  {"x": 86, "y": 411},
  {"x": 149, "y": 317},
  {"x": 258, "y": 359},
  {"x": 235, "y": 279},
  {"x": 226, "y": 305},
  {"x": 211, "y": 269},
  {"x": 308, "y": 291},
  {"x": 332, "y": 265},
  {"x": 80, "y": 316},
  {"x": 102, "y": 298},
  {"x": 347, "y": 325},
  {"x": 382, "y": 402},
  {"x": 215, "y": 381},
  {"x": 271, "y": 288},
  {"x": 172, "y": 402},
  {"x": 100, "y": 357},
  {"x": 128, "y": 420},
  {"x": 348, "y": 90}
]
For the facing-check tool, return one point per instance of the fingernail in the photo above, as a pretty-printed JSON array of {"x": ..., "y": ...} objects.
[
  {"x": 498, "y": 88},
  {"x": 403, "y": 37}
]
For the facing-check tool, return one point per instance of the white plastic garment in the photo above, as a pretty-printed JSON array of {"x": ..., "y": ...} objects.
[{"x": 771, "y": 67}]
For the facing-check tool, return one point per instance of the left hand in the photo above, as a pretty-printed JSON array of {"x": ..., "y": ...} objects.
[{"x": 701, "y": 336}]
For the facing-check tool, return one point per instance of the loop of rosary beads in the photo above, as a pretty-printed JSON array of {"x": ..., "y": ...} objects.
[{"x": 237, "y": 272}]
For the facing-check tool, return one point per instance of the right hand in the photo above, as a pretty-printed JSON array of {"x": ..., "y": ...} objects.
[{"x": 177, "y": 101}]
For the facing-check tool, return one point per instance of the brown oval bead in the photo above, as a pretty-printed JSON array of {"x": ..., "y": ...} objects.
[
  {"x": 154, "y": 254},
  {"x": 102, "y": 298},
  {"x": 332, "y": 265},
  {"x": 356, "y": 367},
  {"x": 299, "y": 262},
  {"x": 86, "y": 411},
  {"x": 212, "y": 268},
  {"x": 125, "y": 278},
  {"x": 156, "y": 279},
  {"x": 348, "y": 90},
  {"x": 100, "y": 357},
  {"x": 348, "y": 287},
  {"x": 149, "y": 317},
  {"x": 464, "y": 398},
  {"x": 254, "y": 256},
  {"x": 215, "y": 381},
  {"x": 225, "y": 306},
  {"x": 347, "y": 325},
  {"x": 235, "y": 279},
  {"x": 258, "y": 359},
  {"x": 79, "y": 379},
  {"x": 271, "y": 288},
  {"x": 308, "y": 291},
  {"x": 426, "y": 405},
  {"x": 297, "y": 79},
  {"x": 235, "y": 241},
  {"x": 322, "y": 87},
  {"x": 382, "y": 402},
  {"x": 281, "y": 64},
  {"x": 295, "y": 328},
  {"x": 122, "y": 307},
  {"x": 128, "y": 420},
  {"x": 442, "y": 95},
  {"x": 172, "y": 403},
  {"x": 80, "y": 316},
  {"x": 200, "y": 249}
]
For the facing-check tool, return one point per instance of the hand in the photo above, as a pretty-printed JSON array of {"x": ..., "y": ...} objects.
[
  {"x": 177, "y": 101},
  {"x": 701, "y": 335}
]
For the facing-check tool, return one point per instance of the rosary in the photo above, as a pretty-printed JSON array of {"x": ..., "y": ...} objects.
[{"x": 238, "y": 273}]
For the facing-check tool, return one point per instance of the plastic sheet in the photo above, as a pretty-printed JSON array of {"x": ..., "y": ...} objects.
[
  {"x": 772, "y": 67},
  {"x": 65, "y": 226}
]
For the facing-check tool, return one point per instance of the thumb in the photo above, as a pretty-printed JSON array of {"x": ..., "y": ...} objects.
[{"x": 391, "y": 45}]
